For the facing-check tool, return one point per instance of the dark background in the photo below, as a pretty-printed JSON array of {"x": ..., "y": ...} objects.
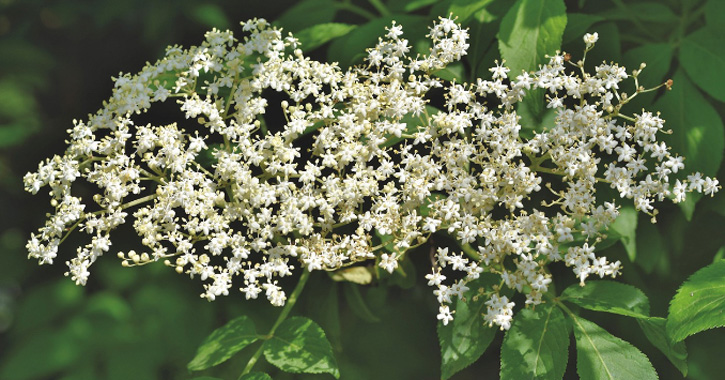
[{"x": 56, "y": 63}]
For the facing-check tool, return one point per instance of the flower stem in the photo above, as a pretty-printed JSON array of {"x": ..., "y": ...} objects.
[{"x": 282, "y": 316}]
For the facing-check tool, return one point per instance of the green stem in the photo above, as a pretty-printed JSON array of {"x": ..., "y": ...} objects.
[
  {"x": 123, "y": 207},
  {"x": 470, "y": 251},
  {"x": 282, "y": 316}
]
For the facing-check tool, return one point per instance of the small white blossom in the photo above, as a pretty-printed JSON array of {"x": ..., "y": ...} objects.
[{"x": 231, "y": 199}]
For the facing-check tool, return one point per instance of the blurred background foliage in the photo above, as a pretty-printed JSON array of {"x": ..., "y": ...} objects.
[{"x": 56, "y": 61}]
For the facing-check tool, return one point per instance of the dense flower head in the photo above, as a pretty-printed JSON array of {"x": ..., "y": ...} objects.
[{"x": 233, "y": 199}]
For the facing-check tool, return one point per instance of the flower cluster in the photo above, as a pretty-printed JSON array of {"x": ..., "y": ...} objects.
[{"x": 362, "y": 164}]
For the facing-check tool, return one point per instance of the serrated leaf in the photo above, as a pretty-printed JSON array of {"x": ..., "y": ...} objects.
[
  {"x": 626, "y": 227},
  {"x": 465, "y": 339},
  {"x": 530, "y": 30},
  {"x": 318, "y": 35},
  {"x": 536, "y": 346},
  {"x": 609, "y": 296},
  {"x": 699, "y": 303},
  {"x": 696, "y": 125},
  {"x": 256, "y": 376},
  {"x": 358, "y": 275},
  {"x": 223, "y": 343},
  {"x": 299, "y": 346},
  {"x": 703, "y": 58},
  {"x": 601, "y": 355},
  {"x": 654, "y": 329}
]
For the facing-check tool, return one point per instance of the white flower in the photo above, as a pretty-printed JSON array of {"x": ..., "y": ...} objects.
[
  {"x": 590, "y": 39},
  {"x": 444, "y": 314},
  {"x": 361, "y": 169}
]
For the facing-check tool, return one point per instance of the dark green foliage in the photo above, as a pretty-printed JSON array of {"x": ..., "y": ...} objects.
[{"x": 56, "y": 61}]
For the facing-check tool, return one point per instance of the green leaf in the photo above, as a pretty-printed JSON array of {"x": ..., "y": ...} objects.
[
  {"x": 658, "y": 58},
  {"x": 223, "y": 343},
  {"x": 703, "y": 58},
  {"x": 412, "y": 126},
  {"x": 532, "y": 121},
  {"x": 648, "y": 11},
  {"x": 41, "y": 355},
  {"x": 405, "y": 274},
  {"x": 699, "y": 303},
  {"x": 697, "y": 132},
  {"x": 492, "y": 12},
  {"x": 696, "y": 125},
  {"x": 465, "y": 339},
  {"x": 464, "y": 9},
  {"x": 719, "y": 255},
  {"x": 609, "y": 296},
  {"x": 299, "y": 346},
  {"x": 210, "y": 15},
  {"x": 609, "y": 46},
  {"x": 536, "y": 346},
  {"x": 452, "y": 72},
  {"x": 577, "y": 24},
  {"x": 651, "y": 251},
  {"x": 357, "y": 274},
  {"x": 530, "y": 30},
  {"x": 256, "y": 376},
  {"x": 417, "y": 4},
  {"x": 216, "y": 378},
  {"x": 626, "y": 227},
  {"x": 109, "y": 305},
  {"x": 314, "y": 12},
  {"x": 57, "y": 298},
  {"x": 601, "y": 355},
  {"x": 350, "y": 48},
  {"x": 714, "y": 9},
  {"x": 357, "y": 304},
  {"x": 18, "y": 113},
  {"x": 318, "y": 35},
  {"x": 654, "y": 329}
]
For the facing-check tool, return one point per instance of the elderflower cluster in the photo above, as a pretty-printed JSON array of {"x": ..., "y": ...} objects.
[{"x": 359, "y": 166}]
